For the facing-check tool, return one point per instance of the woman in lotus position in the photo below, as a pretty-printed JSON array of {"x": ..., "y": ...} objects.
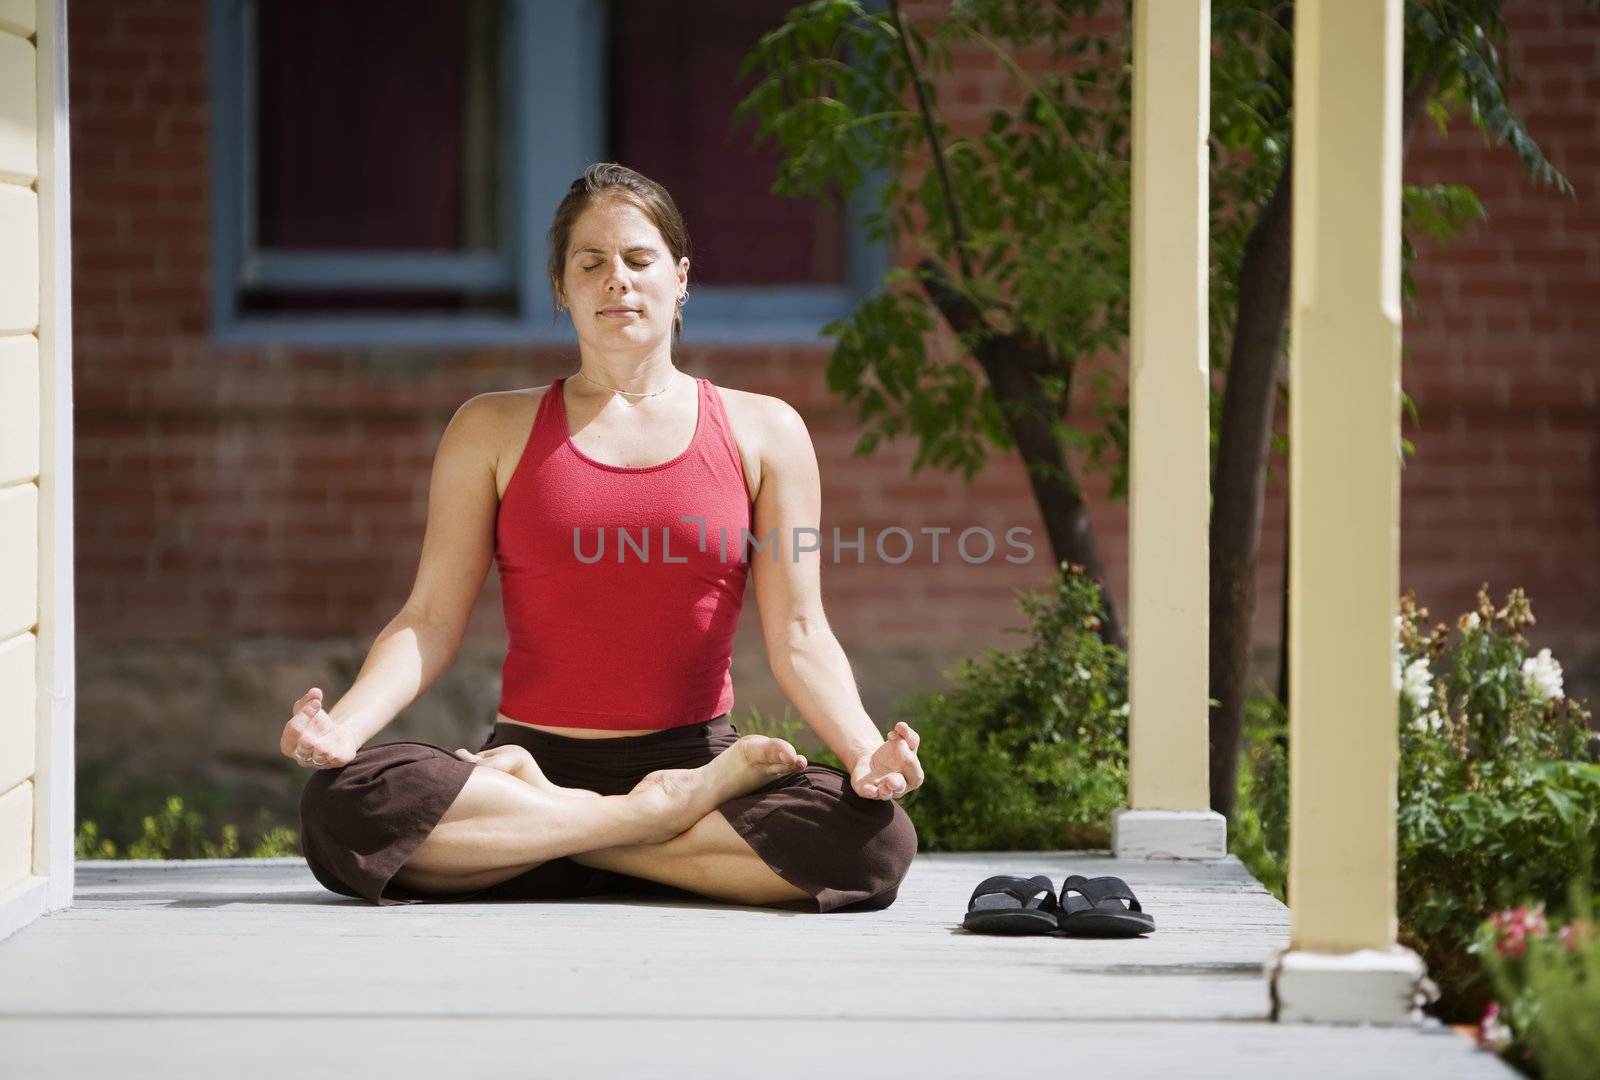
[{"x": 617, "y": 506}]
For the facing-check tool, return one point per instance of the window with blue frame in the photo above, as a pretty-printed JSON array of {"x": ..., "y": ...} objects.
[
  {"x": 384, "y": 174},
  {"x": 376, "y": 151},
  {"x": 664, "y": 57}
]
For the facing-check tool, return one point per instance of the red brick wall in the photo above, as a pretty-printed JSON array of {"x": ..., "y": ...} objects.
[
  {"x": 238, "y": 493},
  {"x": 1503, "y": 357}
]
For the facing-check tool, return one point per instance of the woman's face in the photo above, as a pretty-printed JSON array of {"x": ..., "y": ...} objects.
[{"x": 619, "y": 279}]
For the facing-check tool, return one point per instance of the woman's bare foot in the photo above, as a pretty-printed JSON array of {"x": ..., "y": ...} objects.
[
  {"x": 516, "y": 760},
  {"x": 684, "y": 796}
]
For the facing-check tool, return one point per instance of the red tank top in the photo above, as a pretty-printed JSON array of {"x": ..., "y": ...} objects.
[{"x": 620, "y": 613}]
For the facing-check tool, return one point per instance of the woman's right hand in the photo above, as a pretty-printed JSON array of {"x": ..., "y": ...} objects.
[{"x": 313, "y": 740}]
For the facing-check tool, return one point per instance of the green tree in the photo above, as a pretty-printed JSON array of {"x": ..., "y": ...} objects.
[
  {"x": 1455, "y": 63},
  {"x": 1021, "y": 239}
]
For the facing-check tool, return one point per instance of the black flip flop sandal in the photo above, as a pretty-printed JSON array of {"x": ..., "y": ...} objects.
[
  {"x": 1091, "y": 907},
  {"x": 1007, "y": 904}
]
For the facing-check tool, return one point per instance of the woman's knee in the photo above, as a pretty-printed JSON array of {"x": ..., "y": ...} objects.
[
  {"x": 900, "y": 847},
  {"x": 315, "y": 789},
  {"x": 883, "y": 861},
  {"x": 377, "y": 782},
  {"x": 881, "y": 838},
  {"x": 319, "y": 786}
]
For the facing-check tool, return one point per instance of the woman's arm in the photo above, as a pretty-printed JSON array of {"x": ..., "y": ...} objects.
[
  {"x": 805, "y": 656},
  {"x": 408, "y": 655},
  {"x": 418, "y": 644}
]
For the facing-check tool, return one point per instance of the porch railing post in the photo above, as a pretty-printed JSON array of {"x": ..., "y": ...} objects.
[
  {"x": 1343, "y": 963},
  {"x": 1169, "y": 812}
]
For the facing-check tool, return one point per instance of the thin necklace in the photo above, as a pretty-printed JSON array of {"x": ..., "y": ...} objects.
[{"x": 632, "y": 393}]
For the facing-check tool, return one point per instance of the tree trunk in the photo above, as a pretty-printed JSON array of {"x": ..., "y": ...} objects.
[
  {"x": 1010, "y": 363},
  {"x": 1029, "y": 415},
  {"x": 1243, "y": 435},
  {"x": 1244, "y": 431}
]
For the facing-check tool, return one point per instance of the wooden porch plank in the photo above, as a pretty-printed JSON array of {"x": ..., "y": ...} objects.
[{"x": 250, "y": 964}]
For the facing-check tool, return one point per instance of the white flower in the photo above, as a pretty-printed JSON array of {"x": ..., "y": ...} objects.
[
  {"x": 1083, "y": 673},
  {"x": 1541, "y": 677},
  {"x": 1418, "y": 683},
  {"x": 1126, "y": 705},
  {"x": 1429, "y": 721},
  {"x": 1473, "y": 620},
  {"x": 1493, "y": 1033}
]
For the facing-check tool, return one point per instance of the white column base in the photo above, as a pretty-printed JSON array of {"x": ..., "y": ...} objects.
[
  {"x": 1169, "y": 834},
  {"x": 1368, "y": 986}
]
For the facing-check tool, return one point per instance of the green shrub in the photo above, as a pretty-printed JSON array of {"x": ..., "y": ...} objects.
[
  {"x": 1027, "y": 750},
  {"x": 1546, "y": 977},
  {"x": 174, "y": 832},
  {"x": 1258, "y": 833},
  {"x": 1498, "y": 788},
  {"x": 128, "y": 814},
  {"x": 1500, "y": 791}
]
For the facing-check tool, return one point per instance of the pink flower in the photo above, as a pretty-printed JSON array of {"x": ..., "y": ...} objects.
[
  {"x": 1513, "y": 929},
  {"x": 1493, "y": 1034},
  {"x": 1575, "y": 933}
]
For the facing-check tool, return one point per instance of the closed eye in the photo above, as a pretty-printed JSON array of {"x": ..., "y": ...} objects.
[{"x": 639, "y": 265}]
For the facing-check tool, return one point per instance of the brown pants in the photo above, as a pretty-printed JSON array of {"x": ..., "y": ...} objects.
[{"x": 360, "y": 823}]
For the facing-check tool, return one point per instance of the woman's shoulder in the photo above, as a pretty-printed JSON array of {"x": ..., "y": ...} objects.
[
  {"x": 503, "y": 400},
  {"x": 767, "y": 429},
  {"x": 498, "y": 421},
  {"x": 758, "y": 410},
  {"x": 494, "y": 409}
]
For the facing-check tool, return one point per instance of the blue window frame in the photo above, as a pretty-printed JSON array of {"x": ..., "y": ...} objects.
[{"x": 554, "y": 70}]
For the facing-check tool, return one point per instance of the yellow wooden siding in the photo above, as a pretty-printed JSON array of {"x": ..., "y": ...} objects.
[
  {"x": 19, "y": 408},
  {"x": 19, "y": 559},
  {"x": 19, "y": 116},
  {"x": 18, "y": 689},
  {"x": 19, "y": 438},
  {"x": 19, "y": 260},
  {"x": 16, "y": 834}
]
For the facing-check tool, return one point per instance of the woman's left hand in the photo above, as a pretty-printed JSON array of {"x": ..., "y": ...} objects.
[{"x": 892, "y": 769}]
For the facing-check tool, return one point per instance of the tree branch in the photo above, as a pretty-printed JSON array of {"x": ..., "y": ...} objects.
[{"x": 957, "y": 231}]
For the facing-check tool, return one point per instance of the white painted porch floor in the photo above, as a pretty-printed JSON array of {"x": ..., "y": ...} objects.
[{"x": 249, "y": 968}]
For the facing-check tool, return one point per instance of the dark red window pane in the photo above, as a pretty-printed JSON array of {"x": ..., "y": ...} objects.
[
  {"x": 411, "y": 302},
  {"x": 674, "y": 86},
  {"x": 377, "y": 124}
]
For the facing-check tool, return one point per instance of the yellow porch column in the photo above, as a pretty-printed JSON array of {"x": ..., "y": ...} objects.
[
  {"x": 1169, "y": 810},
  {"x": 1343, "y": 963}
]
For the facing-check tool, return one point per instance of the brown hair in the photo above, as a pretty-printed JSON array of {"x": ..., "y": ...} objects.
[{"x": 607, "y": 179}]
